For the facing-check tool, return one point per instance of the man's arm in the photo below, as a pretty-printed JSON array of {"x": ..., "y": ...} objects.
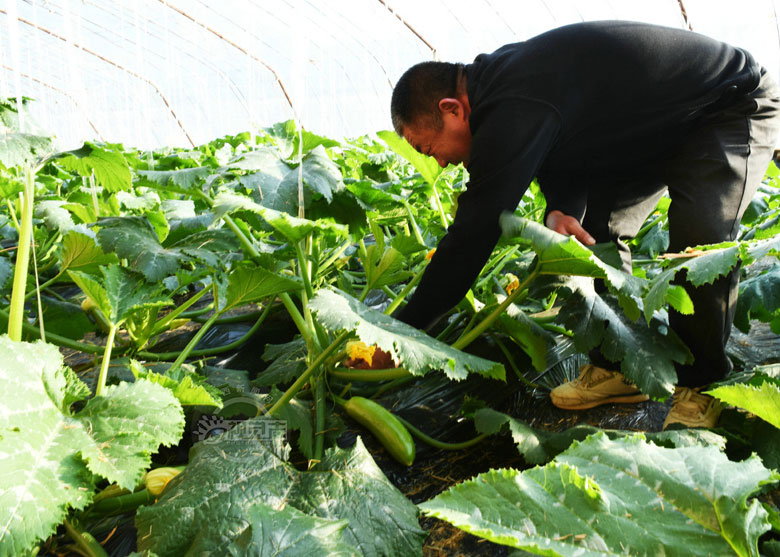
[{"x": 507, "y": 150}]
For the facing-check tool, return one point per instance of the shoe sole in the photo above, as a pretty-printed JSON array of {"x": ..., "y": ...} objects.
[{"x": 625, "y": 399}]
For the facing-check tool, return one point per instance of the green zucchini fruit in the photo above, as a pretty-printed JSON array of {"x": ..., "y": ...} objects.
[{"x": 385, "y": 427}]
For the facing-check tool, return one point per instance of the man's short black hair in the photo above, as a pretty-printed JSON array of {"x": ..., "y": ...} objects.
[{"x": 417, "y": 94}]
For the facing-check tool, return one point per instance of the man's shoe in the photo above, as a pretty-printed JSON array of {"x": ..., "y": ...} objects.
[
  {"x": 693, "y": 409},
  {"x": 593, "y": 387}
]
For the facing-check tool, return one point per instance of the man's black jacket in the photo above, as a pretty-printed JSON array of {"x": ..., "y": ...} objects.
[{"x": 577, "y": 103}]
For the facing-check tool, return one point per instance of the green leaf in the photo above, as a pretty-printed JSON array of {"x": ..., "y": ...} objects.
[
  {"x": 287, "y": 362},
  {"x": 80, "y": 252},
  {"x": 146, "y": 201},
  {"x": 626, "y": 496},
  {"x": 49, "y": 455},
  {"x": 646, "y": 353},
  {"x": 292, "y": 228},
  {"x": 320, "y": 173},
  {"x": 701, "y": 269},
  {"x": 384, "y": 268},
  {"x": 248, "y": 283},
  {"x": 539, "y": 446},
  {"x": 134, "y": 239},
  {"x": 410, "y": 347},
  {"x": 184, "y": 180},
  {"x": 289, "y": 532},
  {"x": 188, "y": 387},
  {"x": 563, "y": 255},
  {"x": 65, "y": 319},
  {"x": 248, "y": 465},
  {"x": 762, "y": 400},
  {"x": 759, "y": 298},
  {"x": 6, "y": 271},
  {"x": 426, "y": 166},
  {"x": 54, "y": 215},
  {"x": 122, "y": 292},
  {"x": 111, "y": 168},
  {"x": 128, "y": 423},
  {"x": 528, "y": 335}
]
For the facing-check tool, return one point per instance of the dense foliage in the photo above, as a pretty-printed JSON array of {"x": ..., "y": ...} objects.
[{"x": 109, "y": 252}]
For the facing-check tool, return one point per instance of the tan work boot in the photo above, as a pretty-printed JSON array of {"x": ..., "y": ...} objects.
[
  {"x": 693, "y": 409},
  {"x": 593, "y": 387}
]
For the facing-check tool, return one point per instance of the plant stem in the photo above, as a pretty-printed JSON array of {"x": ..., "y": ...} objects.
[
  {"x": 57, "y": 339},
  {"x": 413, "y": 223},
  {"x": 163, "y": 322},
  {"x": 209, "y": 351},
  {"x": 512, "y": 363},
  {"x": 428, "y": 440},
  {"x": 405, "y": 291},
  {"x": 319, "y": 418},
  {"x": 101, "y": 384},
  {"x": 469, "y": 337},
  {"x": 392, "y": 385},
  {"x": 370, "y": 374},
  {"x": 296, "y": 386},
  {"x": 84, "y": 541},
  {"x": 440, "y": 207},
  {"x": 121, "y": 503},
  {"x": 296, "y": 316},
  {"x": 16, "y": 313},
  {"x": 194, "y": 341},
  {"x": 303, "y": 265}
]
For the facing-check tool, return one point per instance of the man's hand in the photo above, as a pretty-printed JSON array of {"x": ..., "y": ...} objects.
[{"x": 569, "y": 226}]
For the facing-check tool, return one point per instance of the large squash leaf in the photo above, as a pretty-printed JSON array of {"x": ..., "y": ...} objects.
[
  {"x": 209, "y": 506},
  {"x": 410, "y": 347},
  {"x": 121, "y": 293},
  {"x": 289, "y": 532},
  {"x": 759, "y": 298},
  {"x": 50, "y": 457},
  {"x": 80, "y": 252},
  {"x": 292, "y": 228},
  {"x": 110, "y": 167},
  {"x": 646, "y": 353},
  {"x": 539, "y": 446},
  {"x": 762, "y": 400},
  {"x": 624, "y": 496},
  {"x": 563, "y": 255},
  {"x": 701, "y": 269}
]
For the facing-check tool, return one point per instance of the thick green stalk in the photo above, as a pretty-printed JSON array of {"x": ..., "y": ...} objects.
[
  {"x": 319, "y": 418},
  {"x": 405, "y": 291},
  {"x": 16, "y": 314},
  {"x": 305, "y": 267},
  {"x": 163, "y": 322},
  {"x": 121, "y": 503},
  {"x": 296, "y": 316},
  {"x": 469, "y": 337},
  {"x": 428, "y": 440},
  {"x": 513, "y": 365},
  {"x": 101, "y": 384},
  {"x": 209, "y": 351},
  {"x": 444, "y": 221},
  {"x": 304, "y": 377},
  {"x": 369, "y": 374},
  {"x": 413, "y": 223},
  {"x": 57, "y": 339},
  {"x": 245, "y": 242},
  {"x": 194, "y": 341},
  {"x": 86, "y": 543}
]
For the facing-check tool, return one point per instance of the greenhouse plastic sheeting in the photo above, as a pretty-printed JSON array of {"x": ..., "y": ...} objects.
[{"x": 150, "y": 73}]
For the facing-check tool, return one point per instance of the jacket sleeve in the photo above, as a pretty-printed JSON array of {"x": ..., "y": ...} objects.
[{"x": 507, "y": 149}]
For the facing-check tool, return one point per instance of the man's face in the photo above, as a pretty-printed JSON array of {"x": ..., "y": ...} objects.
[{"x": 449, "y": 145}]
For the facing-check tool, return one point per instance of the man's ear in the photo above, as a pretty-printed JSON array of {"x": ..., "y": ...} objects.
[{"x": 449, "y": 105}]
